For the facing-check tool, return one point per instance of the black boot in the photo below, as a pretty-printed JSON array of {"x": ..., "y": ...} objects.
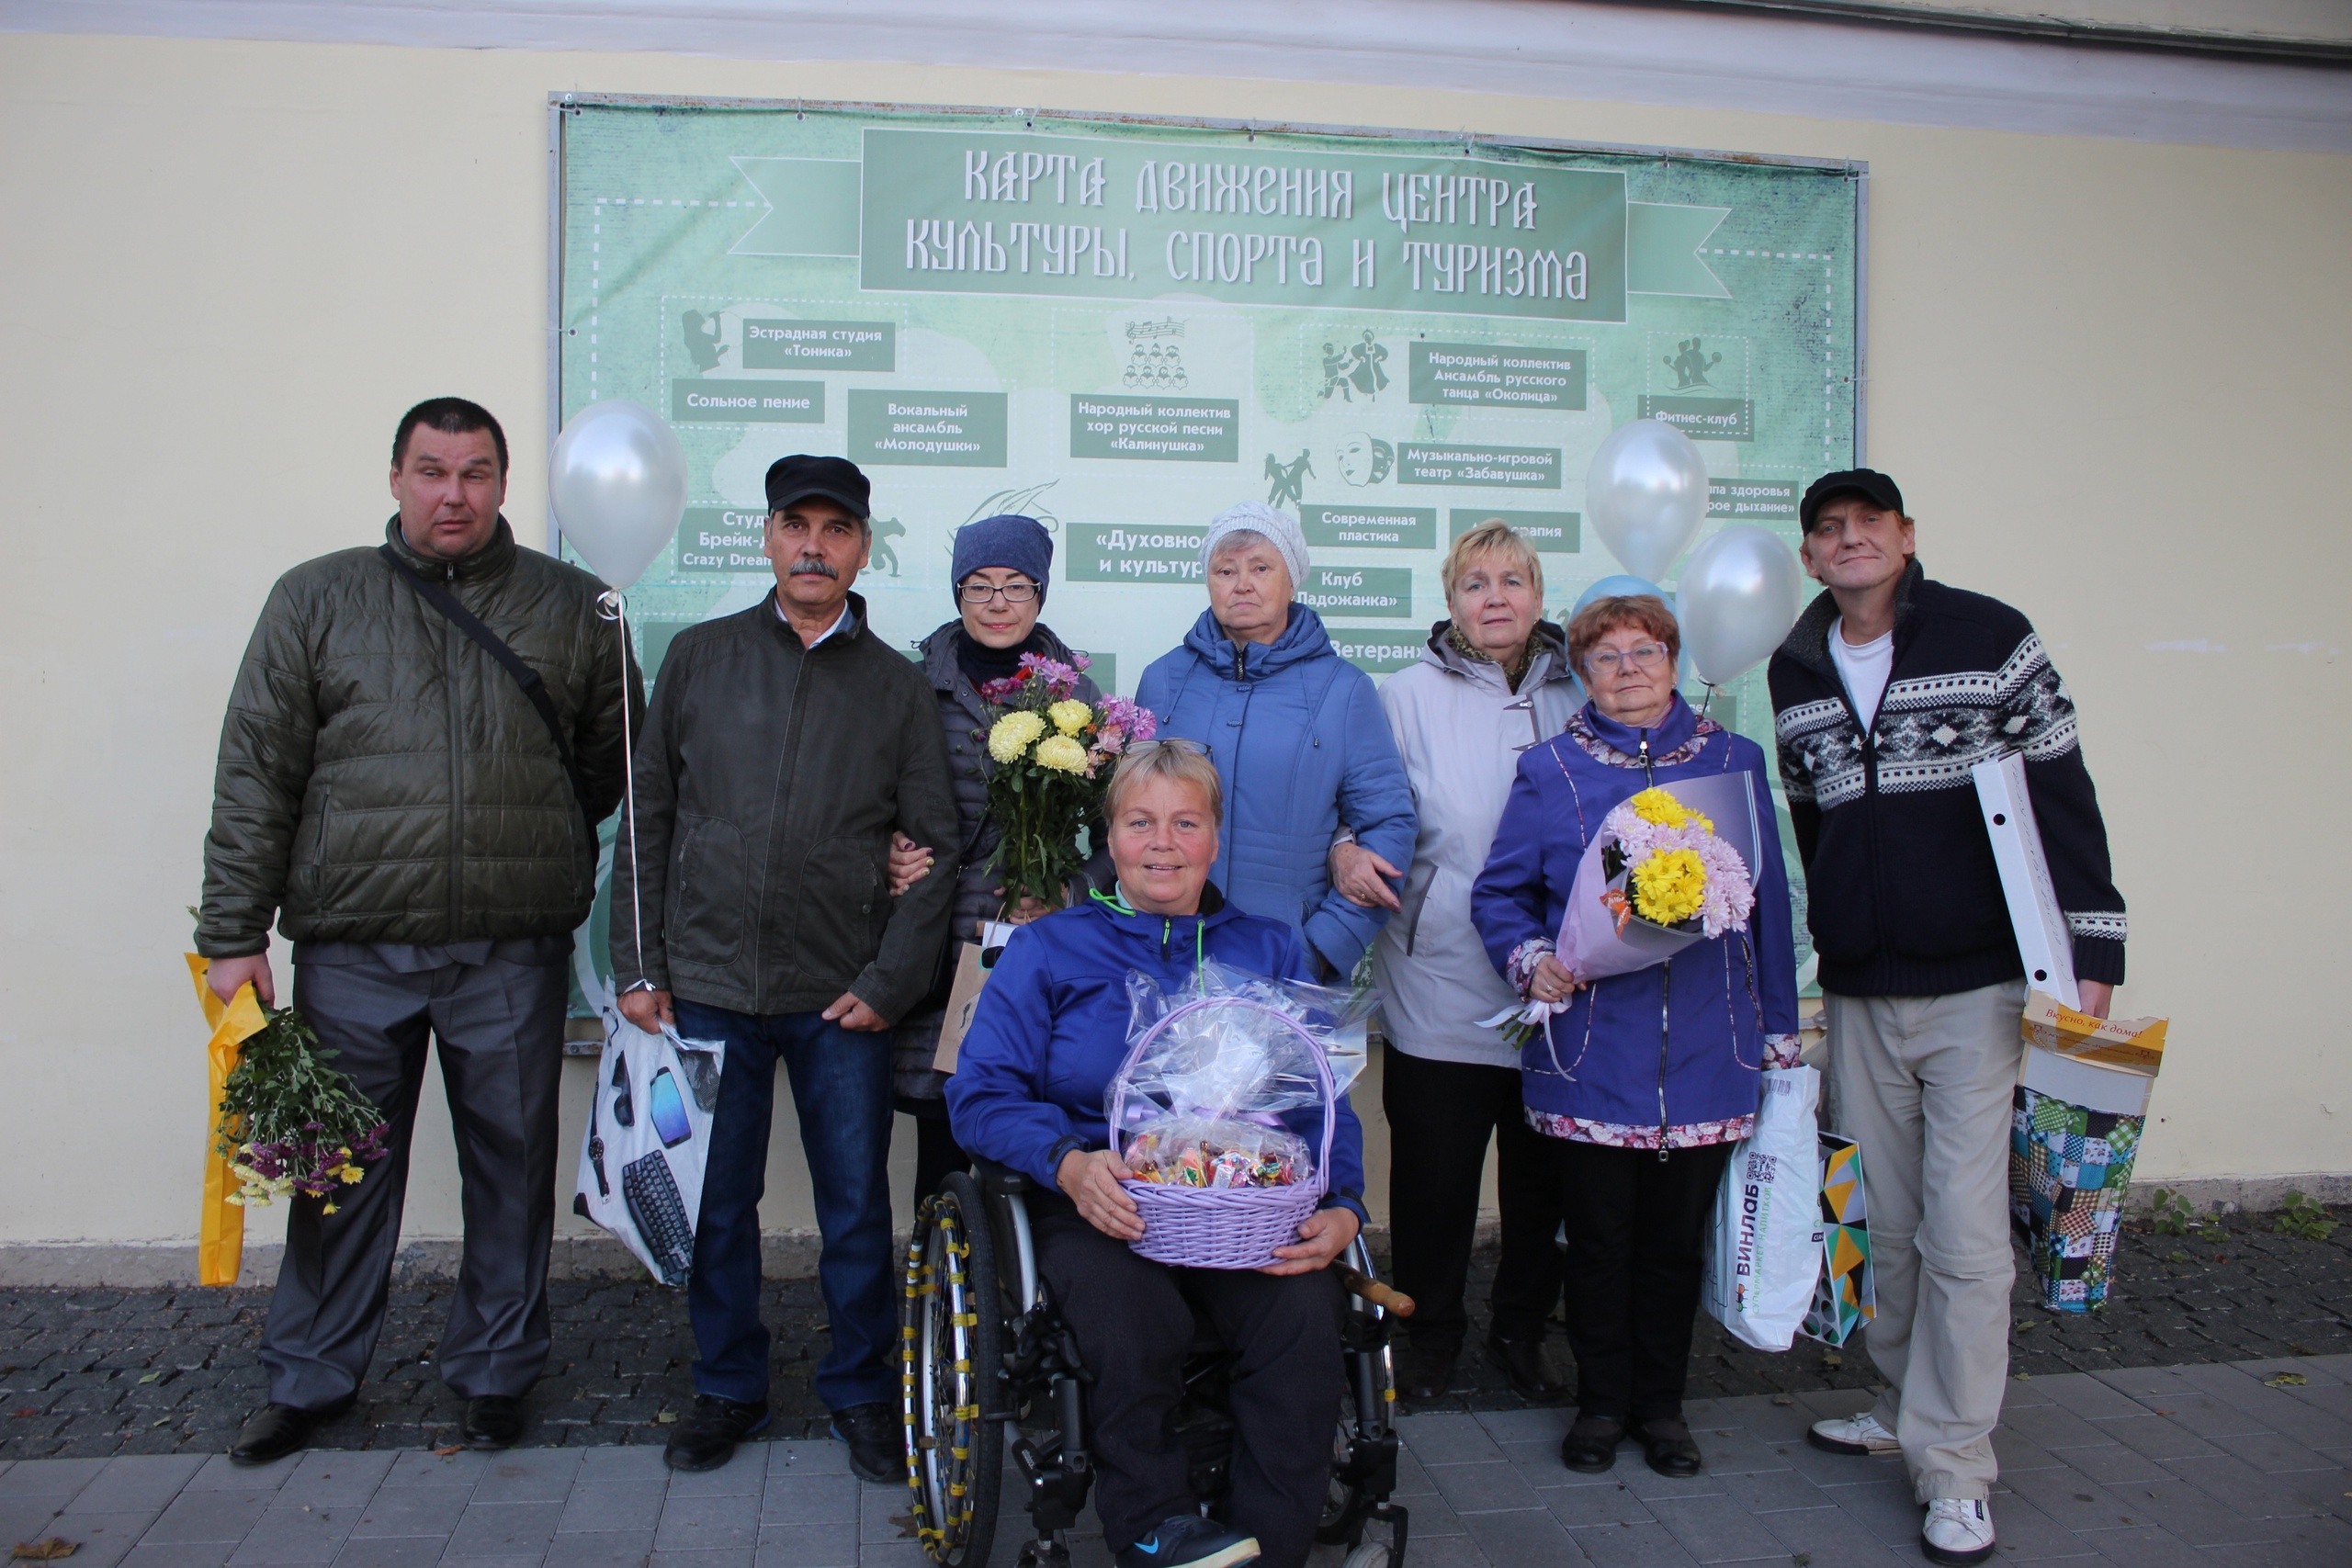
[
  {"x": 1590, "y": 1447},
  {"x": 706, "y": 1440},
  {"x": 493, "y": 1421},
  {"x": 877, "y": 1435},
  {"x": 1522, "y": 1360},
  {"x": 1667, "y": 1444},
  {"x": 1424, "y": 1372}
]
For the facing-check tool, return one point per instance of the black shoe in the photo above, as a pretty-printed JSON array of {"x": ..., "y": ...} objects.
[
  {"x": 1424, "y": 1372},
  {"x": 276, "y": 1430},
  {"x": 1522, "y": 1360},
  {"x": 1667, "y": 1444},
  {"x": 1590, "y": 1447},
  {"x": 493, "y": 1421},
  {"x": 706, "y": 1440},
  {"x": 877, "y": 1435}
]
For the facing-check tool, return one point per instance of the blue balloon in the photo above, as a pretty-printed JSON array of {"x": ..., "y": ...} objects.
[{"x": 1622, "y": 585}]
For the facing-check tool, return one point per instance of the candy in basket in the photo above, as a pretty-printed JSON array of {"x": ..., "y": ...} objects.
[{"x": 1224, "y": 1110}]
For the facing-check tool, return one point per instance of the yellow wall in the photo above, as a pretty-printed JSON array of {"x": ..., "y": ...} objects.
[{"x": 2110, "y": 376}]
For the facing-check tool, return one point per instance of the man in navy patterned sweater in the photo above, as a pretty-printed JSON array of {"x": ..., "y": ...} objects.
[{"x": 1890, "y": 688}]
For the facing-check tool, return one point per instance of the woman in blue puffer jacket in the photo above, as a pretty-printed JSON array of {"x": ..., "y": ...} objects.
[{"x": 1299, "y": 740}]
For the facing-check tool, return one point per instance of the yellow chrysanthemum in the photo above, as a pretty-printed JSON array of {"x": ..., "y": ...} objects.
[
  {"x": 1071, "y": 716},
  {"x": 1013, "y": 734},
  {"x": 1059, "y": 751},
  {"x": 1662, "y": 810},
  {"x": 1669, "y": 886}
]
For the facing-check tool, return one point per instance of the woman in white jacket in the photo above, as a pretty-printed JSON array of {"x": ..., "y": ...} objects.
[{"x": 1493, "y": 682}]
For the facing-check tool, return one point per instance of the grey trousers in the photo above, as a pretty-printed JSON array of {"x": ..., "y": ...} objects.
[
  {"x": 1926, "y": 1084},
  {"x": 498, "y": 1024}
]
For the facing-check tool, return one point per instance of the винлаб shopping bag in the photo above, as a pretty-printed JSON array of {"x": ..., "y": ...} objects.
[
  {"x": 1764, "y": 1247},
  {"x": 649, "y": 1135},
  {"x": 1847, "y": 1296}
]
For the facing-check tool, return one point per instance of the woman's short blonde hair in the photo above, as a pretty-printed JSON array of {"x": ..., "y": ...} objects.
[
  {"x": 1497, "y": 538},
  {"x": 1177, "y": 761}
]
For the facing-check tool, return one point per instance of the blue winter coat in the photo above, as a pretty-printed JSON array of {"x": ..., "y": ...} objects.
[
  {"x": 1051, "y": 1029},
  {"x": 1616, "y": 1068},
  {"x": 1301, "y": 745}
]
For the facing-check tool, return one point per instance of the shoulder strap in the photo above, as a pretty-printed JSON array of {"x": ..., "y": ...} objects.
[{"x": 534, "y": 689}]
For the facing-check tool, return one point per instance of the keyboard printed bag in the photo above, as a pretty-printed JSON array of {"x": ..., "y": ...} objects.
[{"x": 649, "y": 1133}]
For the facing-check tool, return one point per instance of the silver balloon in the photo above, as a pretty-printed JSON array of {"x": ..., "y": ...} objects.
[
  {"x": 617, "y": 478},
  {"x": 1646, "y": 494},
  {"x": 1741, "y": 593}
]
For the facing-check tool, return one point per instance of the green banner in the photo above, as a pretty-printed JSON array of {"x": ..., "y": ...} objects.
[{"x": 1123, "y": 328}]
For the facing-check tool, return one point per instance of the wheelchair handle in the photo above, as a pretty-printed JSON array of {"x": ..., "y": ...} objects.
[{"x": 1395, "y": 1302}]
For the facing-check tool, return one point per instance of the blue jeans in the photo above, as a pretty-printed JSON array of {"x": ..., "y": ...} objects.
[{"x": 841, "y": 1086}]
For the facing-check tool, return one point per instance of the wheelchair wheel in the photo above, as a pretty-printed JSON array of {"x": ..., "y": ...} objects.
[
  {"x": 1344, "y": 1502},
  {"x": 951, "y": 1370}
]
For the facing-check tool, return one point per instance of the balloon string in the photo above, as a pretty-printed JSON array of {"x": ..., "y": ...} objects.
[
  {"x": 1704, "y": 703},
  {"x": 628, "y": 783}
]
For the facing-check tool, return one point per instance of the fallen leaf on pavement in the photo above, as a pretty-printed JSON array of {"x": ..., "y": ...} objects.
[{"x": 49, "y": 1551}]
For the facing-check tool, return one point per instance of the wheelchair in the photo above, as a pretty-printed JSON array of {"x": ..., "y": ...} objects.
[{"x": 988, "y": 1371}]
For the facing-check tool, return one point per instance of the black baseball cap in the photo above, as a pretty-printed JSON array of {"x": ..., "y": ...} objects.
[
  {"x": 800, "y": 476},
  {"x": 1869, "y": 482}
]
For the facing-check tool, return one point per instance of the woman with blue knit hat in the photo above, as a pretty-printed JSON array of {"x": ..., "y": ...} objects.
[
  {"x": 1003, "y": 566},
  {"x": 1300, "y": 742}
]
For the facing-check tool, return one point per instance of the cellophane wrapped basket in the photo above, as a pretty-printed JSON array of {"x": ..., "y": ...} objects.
[{"x": 1198, "y": 1111}]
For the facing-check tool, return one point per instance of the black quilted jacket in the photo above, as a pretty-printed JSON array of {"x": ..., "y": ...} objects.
[{"x": 383, "y": 779}]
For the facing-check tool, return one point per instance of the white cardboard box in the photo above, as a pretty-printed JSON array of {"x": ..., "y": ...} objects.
[{"x": 2043, "y": 939}]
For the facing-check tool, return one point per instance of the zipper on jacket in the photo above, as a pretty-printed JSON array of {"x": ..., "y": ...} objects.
[
  {"x": 788, "y": 770},
  {"x": 449, "y": 657},
  {"x": 1649, "y": 779},
  {"x": 1665, "y": 1029}
]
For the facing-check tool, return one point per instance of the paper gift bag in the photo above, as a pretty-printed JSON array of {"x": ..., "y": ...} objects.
[
  {"x": 220, "y": 1231},
  {"x": 1847, "y": 1296},
  {"x": 2080, "y": 1108},
  {"x": 973, "y": 963}
]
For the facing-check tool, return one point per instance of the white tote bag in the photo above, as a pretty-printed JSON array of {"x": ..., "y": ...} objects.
[
  {"x": 649, "y": 1135},
  {"x": 1764, "y": 1248}
]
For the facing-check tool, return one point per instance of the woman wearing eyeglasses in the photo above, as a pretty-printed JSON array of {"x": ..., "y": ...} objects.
[
  {"x": 1647, "y": 1078},
  {"x": 1003, "y": 566}
]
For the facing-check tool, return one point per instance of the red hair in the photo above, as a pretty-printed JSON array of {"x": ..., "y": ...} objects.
[{"x": 1598, "y": 619}]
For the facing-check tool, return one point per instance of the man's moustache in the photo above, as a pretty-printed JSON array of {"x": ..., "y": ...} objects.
[{"x": 808, "y": 566}]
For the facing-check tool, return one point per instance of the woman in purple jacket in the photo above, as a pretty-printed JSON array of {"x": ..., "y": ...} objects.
[{"x": 1647, "y": 1078}]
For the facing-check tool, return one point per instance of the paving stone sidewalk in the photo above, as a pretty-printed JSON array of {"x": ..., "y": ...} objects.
[
  {"x": 90, "y": 1374},
  {"x": 2238, "y": 1466}
]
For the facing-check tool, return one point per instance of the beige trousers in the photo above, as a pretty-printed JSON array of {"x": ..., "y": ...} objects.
[{"x": 1925, "y": 1084}]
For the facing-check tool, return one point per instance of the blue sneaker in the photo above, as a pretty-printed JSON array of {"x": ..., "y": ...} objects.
[{"x": 1188, "y": 1540}]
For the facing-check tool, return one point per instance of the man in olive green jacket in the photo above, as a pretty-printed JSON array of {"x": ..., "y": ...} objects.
[
  {"x": 389, "y": 792},
  {"x": 785, "y": 744}
]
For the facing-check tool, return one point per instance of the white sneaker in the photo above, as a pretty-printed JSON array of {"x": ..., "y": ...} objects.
[
  {"x": 1958, "y": 1530},
  {"x": 1853, "y": 1435}
]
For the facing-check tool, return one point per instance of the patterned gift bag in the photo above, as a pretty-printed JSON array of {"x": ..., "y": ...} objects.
[
  {"x": 1845, "y": 1297},
  {"x": 2069, "y": 1169}
]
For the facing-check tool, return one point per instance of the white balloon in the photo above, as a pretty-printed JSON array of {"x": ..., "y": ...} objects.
[
  {"x": 617, "y": 478},
  {"x": 1741, "y": 593},
  {"x": 1646, "y": 494}
]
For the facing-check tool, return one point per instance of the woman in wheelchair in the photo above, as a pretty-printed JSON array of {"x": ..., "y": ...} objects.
[{"x": 1028, "y": 1093}]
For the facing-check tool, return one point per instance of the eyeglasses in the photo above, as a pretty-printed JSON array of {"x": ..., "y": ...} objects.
[
  {"x": 1174, "y": 743},
  {"x": 981, "y": 593},
  {"x": 1641, "y": 656}
]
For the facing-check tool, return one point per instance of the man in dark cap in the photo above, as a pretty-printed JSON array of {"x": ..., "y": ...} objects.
[
  {"x": 1888, "y": 690},
  {"x": 785, "y": 745}
]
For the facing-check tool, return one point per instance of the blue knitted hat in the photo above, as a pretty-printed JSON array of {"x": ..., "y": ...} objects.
[{"x": 1020, "y": 544}]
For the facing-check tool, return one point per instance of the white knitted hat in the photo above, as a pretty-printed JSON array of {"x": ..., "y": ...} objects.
[{"x": 1280, "y": 529}]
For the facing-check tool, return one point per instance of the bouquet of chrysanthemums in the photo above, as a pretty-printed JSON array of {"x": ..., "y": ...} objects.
[
  {"x": 1054, "y": 753},
  {"x": 289, "y": 1123},
  {"x": 1670, "y": 865}
]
